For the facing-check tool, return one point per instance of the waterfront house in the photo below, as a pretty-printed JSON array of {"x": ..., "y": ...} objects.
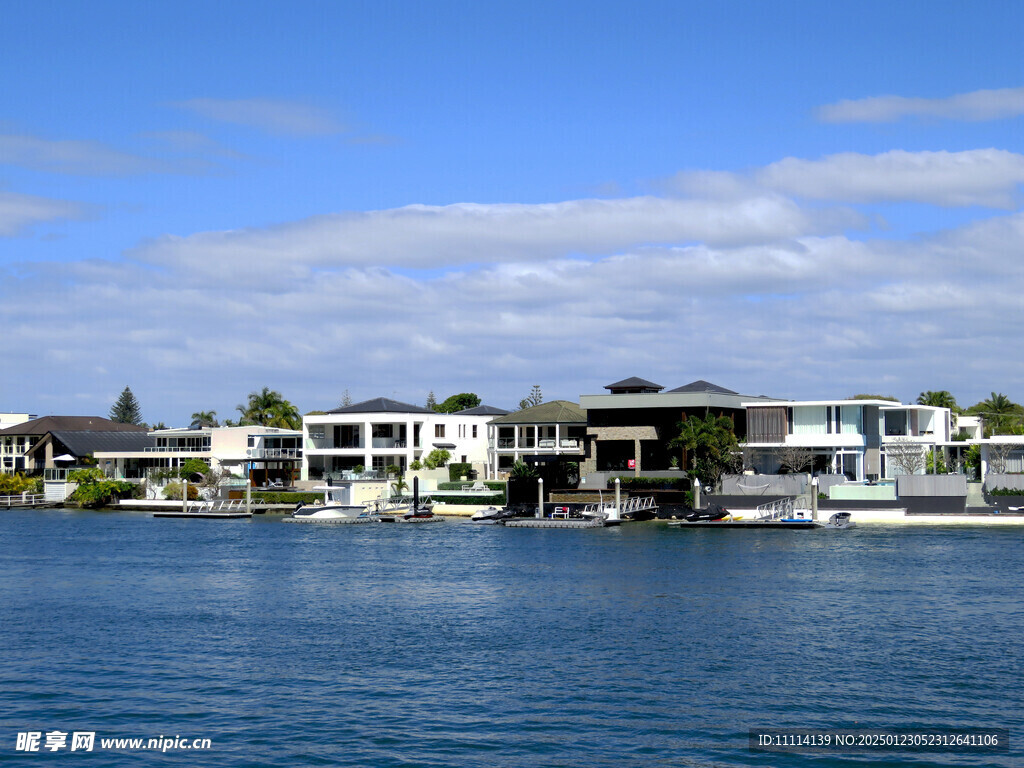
[
  {"x": 260, "y": 454},
  {"x": 381, "y": 432},
  {"x": 630, "y": 427},
  {"x": 551, "y": 432},
  {"x": 862, "y": 439},
  {"x": 38, "y": 444}
]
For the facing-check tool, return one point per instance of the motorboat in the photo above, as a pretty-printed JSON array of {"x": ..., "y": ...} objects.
[
  {"x": 336, "y": 505},
  {"x": 840, "y": 520},
  {"x": 491, "y": 515}
]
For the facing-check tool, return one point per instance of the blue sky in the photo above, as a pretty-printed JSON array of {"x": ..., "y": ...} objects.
[{"x": 805, "y": 200}]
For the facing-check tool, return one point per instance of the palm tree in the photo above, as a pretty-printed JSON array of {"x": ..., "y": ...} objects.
[
  {"x": 268, "y": 409},
  {"x": 202, "y": 419},
  {"x": 939, "y": 399},
  {"x": 1000, "y": 413},
  {"x": 711, "y": 445}
]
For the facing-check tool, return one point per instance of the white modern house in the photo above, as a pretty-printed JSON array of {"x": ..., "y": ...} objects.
[
  {"x": 381, "y": 432},
  {"x": 259, "y": 453},
  {"x": 858, "y": 438}
]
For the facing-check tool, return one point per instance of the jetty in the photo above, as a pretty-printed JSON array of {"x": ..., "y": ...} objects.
[
  {"x": 24, "y": 500},
  {"x": 547, "y": 522}
]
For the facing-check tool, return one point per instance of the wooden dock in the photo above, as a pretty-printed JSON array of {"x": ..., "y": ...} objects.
[
  {"x": 547, "y": 522},
  {"x": 204, "y": 515},
  {"x": 331, "y": 520},
  {"x": 25, "y": 501},
  {"x": 787, "y": 524}
]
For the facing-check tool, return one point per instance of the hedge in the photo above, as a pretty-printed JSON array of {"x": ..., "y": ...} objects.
[
  {"x": 652, "y": 483},
  {"x": 494, "y": 485},
  {"x": 455, "y": 471},
  {"x": 282, "y": 497},
  {"x": 497, "y": 501}
]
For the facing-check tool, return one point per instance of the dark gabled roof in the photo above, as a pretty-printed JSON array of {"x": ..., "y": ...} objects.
[
  {"x": 555, "y": 412},
  {"x": 82, "y": 443},
  {"x": 703, "y": 386},
  {"x": 635, "y": 382},
  {"x": 482, "y": 410},
  {"x": 70, "y": 424},
  {"x": 381, "y": 405}
]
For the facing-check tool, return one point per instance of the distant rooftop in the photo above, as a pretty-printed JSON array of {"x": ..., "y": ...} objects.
[
  {"x": 70, "y": 424},
  {"x": 703, "y": 386},
  {"x": 555, "y": 412},
  {"x": 483, "y": 410},
  {"x": 381, "y": 405},
  {"x": 634, "y": 385}
]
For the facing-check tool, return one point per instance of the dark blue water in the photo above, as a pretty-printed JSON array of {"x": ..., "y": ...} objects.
[{"x": 457, "y": 645}]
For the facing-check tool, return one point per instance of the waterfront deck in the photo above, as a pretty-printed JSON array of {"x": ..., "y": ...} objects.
[
  {"x": 547, "y": 522},
  {"x": 24, "y": 500}
]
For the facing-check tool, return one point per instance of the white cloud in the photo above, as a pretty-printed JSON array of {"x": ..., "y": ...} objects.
[
  {"x": 432, "y": 237},
  {"x": 987, "y": 177},
  {"x": 974, "y": 106},
  {"x": 21, "y": 212},
  {"x": 85, "y": 158},
  {"x": 808, "y": 316},
  {"x": 278, "y": 117}
]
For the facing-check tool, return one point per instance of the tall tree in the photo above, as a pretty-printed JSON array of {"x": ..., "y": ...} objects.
[
  {"x": 267, "y": 408},
  {"x": 126, "y": 410},
  {"x": 938, "y": 399},
  {"x": 431, "y": 401},
  {"x": 711, "y": 446},
  {"x": 534, "y": 398},
  {"x": 458, "y": 402},
  {"x": 1000, "y": 413},
  {"x": 346, "y": 399},
  {"x": 201, "y": 419}
]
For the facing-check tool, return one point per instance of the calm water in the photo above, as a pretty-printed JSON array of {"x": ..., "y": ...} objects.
[{"x": 457, "y": 645}]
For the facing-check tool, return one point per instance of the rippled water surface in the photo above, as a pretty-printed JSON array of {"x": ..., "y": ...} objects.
[{"x": 458, "y": 645}]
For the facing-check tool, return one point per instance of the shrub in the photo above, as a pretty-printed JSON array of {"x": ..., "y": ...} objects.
[
  {"x": 85, "y": 476},
  {"x": 102, "y": 493},
  {"x": 416, "y": 465},
  {"x": 281, "y": 497},
  {"x": 173, "y": 491},
  {"x": 1006, "y": 492},
  {"x": 437, "y": 458},
  {"x": 457, "y": 470},
  {"x": 12, "y": 485},
  {"x": 193, "y": 466}
]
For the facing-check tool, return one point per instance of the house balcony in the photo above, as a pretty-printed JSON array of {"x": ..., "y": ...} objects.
[
  {"x": 544, "y": 445},
  {"x": 390, "y": 442},
  {"x": 283, "y": 454}
]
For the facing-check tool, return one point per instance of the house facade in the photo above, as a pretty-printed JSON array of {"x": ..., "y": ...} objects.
[
  {"x": 545, "y": 433},
  {"x": 862, "y": 439},
  {"x": 258, "y": 453},
  {"x": 32, "y": 445},
  {"x": 381, "y": 432},
  {"x": 631, "y": 427}
]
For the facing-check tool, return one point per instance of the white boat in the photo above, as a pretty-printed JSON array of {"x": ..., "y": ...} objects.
[{"x": 335, "y": 505}]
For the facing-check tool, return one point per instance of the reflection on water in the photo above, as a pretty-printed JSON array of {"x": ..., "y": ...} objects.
[{"x": 480, "y": 646}]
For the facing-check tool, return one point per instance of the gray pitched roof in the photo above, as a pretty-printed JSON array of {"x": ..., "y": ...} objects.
[
  {"x": 70, "y": 424},
  {"x": 483, "y": 410},
  {"x": 381, "y": 405},
  {"x": 634, "y": 382},
  {"x": 555, "y": 412},
  {"x": 703, "y": 386},
  {"x": 82, "y": 443}
]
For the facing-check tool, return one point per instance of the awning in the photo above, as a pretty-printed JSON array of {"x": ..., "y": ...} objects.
[
  {"x": 444, "y": 445},
  {"x": 65, "y": 457}
]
